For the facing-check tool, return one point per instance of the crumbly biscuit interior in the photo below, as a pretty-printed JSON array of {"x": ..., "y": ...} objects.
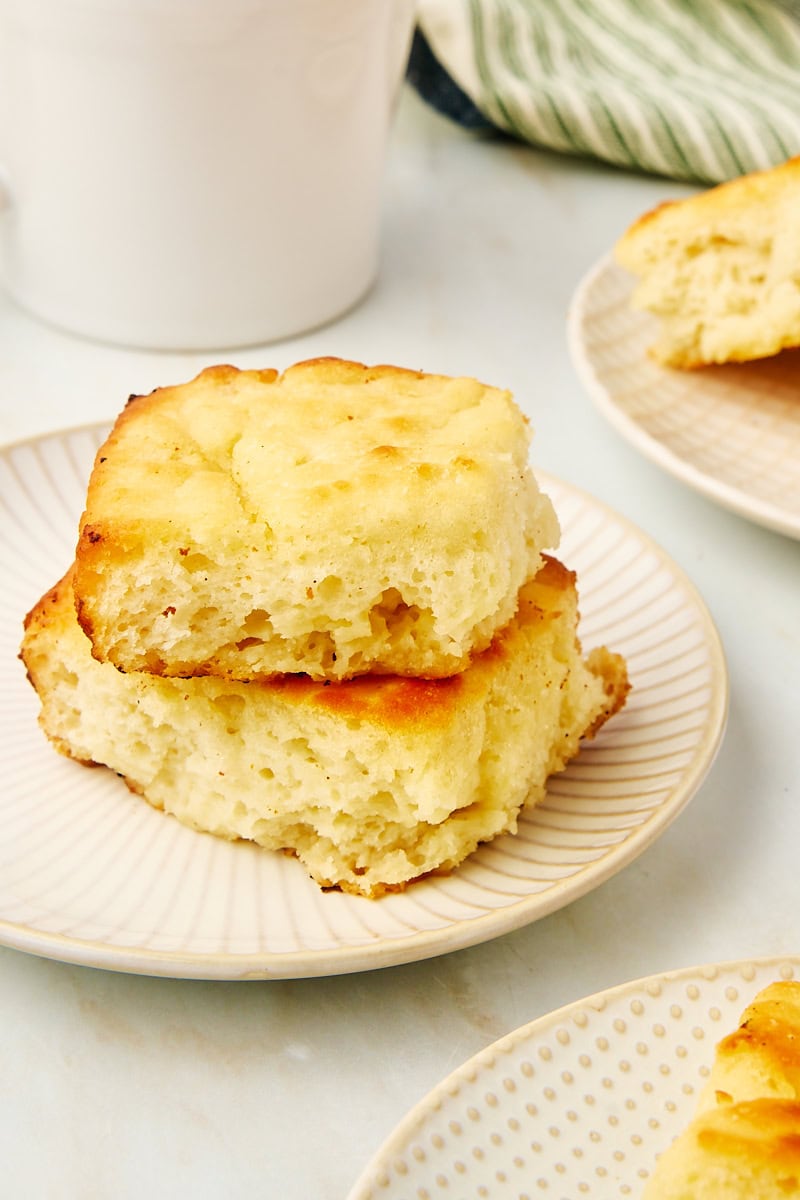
[{"x": 721, "y": 271}]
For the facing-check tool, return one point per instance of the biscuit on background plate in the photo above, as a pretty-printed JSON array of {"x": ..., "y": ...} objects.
[{"x": 721, "y": 270}]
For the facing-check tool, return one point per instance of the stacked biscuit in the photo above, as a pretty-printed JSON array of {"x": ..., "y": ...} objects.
[
  {"x": 313, "y": 610},
  {"x": 719, "y": 270},
  {"x": 744, "y": 1141}
]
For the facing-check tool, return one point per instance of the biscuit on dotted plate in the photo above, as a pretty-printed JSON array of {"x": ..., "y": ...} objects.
[{"x": 744, "y": 1141}]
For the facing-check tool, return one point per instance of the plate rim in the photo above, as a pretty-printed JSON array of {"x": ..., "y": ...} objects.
[
  {"x": 734, "y": 499},
  {"x": 363, "y": 1188},
  {"x": 430, "y": 943}
]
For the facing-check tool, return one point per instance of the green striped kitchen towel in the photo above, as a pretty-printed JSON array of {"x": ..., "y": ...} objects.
[{"x": 701, "y": 90}]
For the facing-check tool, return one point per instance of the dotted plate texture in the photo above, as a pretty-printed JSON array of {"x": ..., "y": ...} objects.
[
  {"x": 89, "y": 873},
  {"x": 731, "y": 432},
  {"x": 576, "y": 1104}
]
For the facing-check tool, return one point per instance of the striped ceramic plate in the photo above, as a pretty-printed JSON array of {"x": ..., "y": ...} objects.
[
  {"x": 91, "y": 874},
  {"x": 731, "y": 432}
]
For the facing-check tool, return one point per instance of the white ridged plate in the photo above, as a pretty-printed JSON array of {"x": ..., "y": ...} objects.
[
  {"x": 577, "y": 1104},
  {"x": 91, "y": 874},
  {"x": 731, "y": 432}
]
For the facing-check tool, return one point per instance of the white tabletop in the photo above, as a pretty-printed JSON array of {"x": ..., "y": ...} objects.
[{"x": 125, "y": 1086}]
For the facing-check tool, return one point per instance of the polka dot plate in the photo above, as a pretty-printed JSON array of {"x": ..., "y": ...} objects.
[
  {"x": 576, "y": 1104},
  {"x": 731, "y": 432},
  {"x": 91, "y": 874}
]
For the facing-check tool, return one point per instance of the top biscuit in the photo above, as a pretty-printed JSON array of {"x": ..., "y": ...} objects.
[
  {"x": 332, "y": 520},
  {"x": 720, "y": 270}
]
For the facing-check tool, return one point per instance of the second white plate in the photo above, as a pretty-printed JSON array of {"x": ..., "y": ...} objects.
[
  {"x": 93, "y": 875},
  {"x": 731, "y": 432},
  {"x": 577, "y": 1104}
]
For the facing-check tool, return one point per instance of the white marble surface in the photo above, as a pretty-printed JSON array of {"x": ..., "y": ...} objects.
[{"x": 123, "y": 1086}]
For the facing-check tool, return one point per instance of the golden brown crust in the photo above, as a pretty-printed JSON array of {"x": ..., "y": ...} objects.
[
  {"x": 744, "y": 1141},
  {"x": 763, "y": 1054},
  {"x": 612, "y": 669},
  {"x": 341, "y": 370},
  {"x": 762, "y": 1131}
]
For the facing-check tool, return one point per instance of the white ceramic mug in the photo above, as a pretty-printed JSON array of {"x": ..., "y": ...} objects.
[{"x": 190, "y": 174}]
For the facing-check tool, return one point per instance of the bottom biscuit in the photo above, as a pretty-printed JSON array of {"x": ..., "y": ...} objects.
[{"x": 372, "y": 782}]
